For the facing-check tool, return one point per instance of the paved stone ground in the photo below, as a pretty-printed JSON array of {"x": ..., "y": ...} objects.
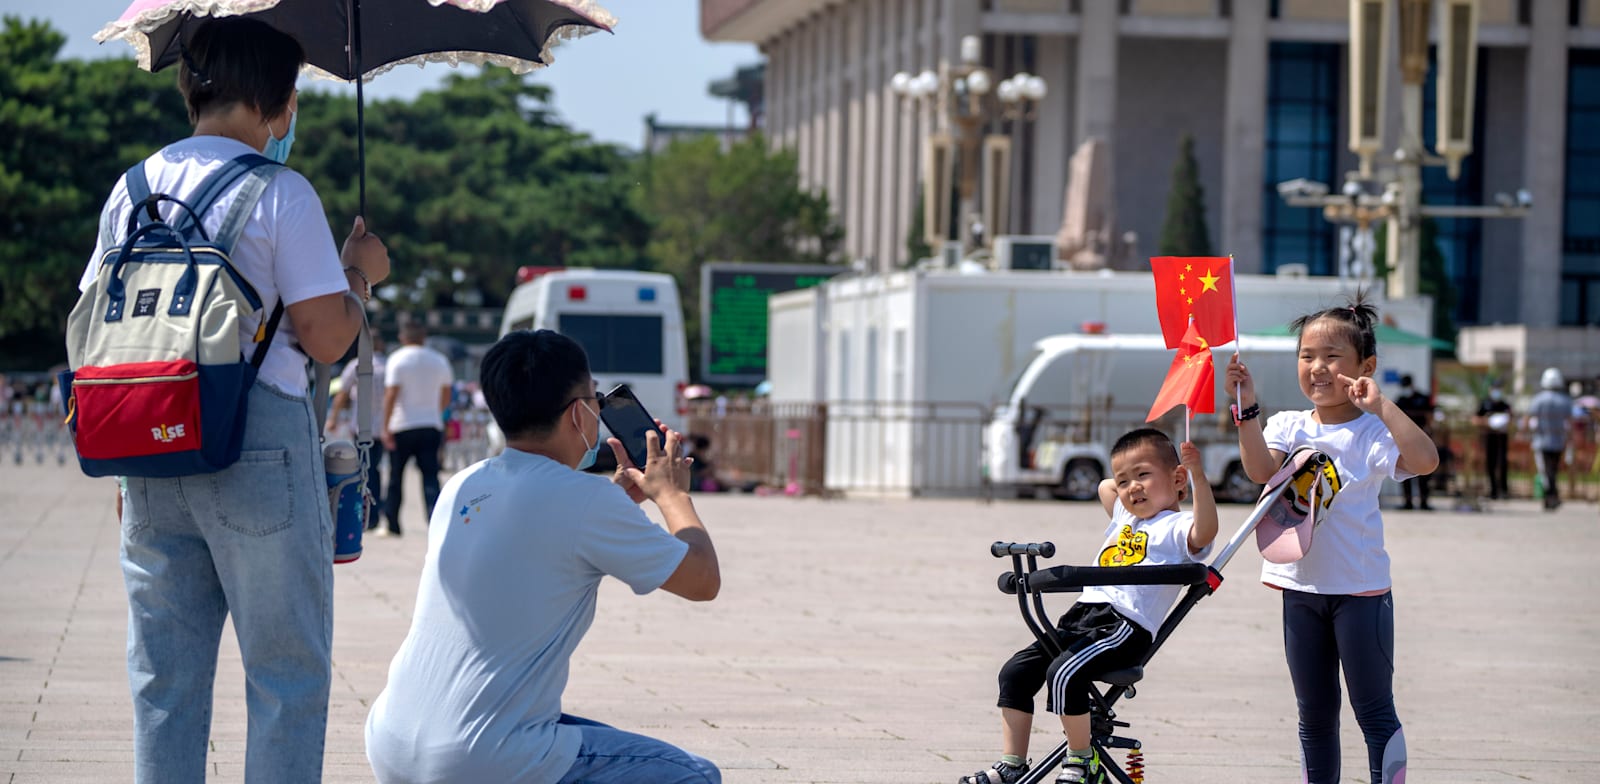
[{"x": 857, "y": 641}]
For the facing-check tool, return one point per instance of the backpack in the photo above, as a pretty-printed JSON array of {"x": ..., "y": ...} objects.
[{"x": 157, "y": 385}]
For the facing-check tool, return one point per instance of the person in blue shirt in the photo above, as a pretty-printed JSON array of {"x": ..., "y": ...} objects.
[{"x": 517, "y": 547}]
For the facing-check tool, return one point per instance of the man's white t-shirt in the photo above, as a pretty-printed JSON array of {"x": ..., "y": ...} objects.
[
  {"x": 285, "y": 251},
  {"x": 517, "y": 547},
  {"x": 1347, "y": 554},
  {"x": 1159, "y": 541},
  {"x": 417, "y": 373}
]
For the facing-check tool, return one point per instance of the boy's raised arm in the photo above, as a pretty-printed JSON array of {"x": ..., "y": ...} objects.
[
  {"x": 1108, "y": 495},
  {"x": 1204, "y": 528}
]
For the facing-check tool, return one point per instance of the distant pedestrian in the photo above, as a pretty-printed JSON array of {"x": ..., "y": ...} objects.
[
  {"x": 1550, "y": 420},
  {"x": 418, "y": 393},
  {"x": 1494, "y": 421},
  {"x": 1419, "y": 408}
]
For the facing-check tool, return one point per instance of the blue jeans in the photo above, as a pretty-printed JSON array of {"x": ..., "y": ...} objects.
[
  {"x": 255, "y": 541},
  {"x": 611, "y": 755}
]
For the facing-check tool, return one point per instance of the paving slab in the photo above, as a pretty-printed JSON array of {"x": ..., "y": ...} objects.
[{"x": 858, "y": 641}]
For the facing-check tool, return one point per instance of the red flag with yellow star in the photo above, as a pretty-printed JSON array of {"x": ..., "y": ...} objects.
[
  {"x": 1190, "y": 380},
  {"x": 1198, "y": 288}
]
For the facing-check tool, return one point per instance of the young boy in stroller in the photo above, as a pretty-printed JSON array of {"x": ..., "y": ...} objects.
[{"x": 1111, "y": 627}]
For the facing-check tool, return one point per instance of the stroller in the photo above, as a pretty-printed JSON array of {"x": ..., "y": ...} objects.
[{"x": 1283, "y": 520}]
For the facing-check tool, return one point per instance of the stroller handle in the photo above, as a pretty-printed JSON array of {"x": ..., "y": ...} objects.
[
  {"x": 1066, "y": 579},
  {"x": 1041, "y": 549}
]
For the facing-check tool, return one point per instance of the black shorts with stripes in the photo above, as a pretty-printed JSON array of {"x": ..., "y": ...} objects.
[{"x": 1098, "y": 640}]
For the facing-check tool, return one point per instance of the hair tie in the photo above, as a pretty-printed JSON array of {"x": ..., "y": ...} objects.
[{"x": 183, "y": 51}]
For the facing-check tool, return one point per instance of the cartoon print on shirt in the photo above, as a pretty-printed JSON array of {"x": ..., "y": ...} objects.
[{"x": 1129, "y": 548}]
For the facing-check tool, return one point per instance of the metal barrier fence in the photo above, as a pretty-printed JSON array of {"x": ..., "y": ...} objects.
[
  {"x": 938, "y": 448},
  {"x": 850, "y": 446},
  {"x": 33, "y": 430}
]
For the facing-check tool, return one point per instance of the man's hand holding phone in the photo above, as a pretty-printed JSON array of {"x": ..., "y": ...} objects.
[{"x": 664, "y": 472}]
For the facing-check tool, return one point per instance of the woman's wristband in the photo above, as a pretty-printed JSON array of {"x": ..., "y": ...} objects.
[
  {"x": 1240, "y": 417},
  {"x": 366, "y": 283}
]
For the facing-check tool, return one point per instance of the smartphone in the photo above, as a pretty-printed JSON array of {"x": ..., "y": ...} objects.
[{"x": 626, "y": 418}]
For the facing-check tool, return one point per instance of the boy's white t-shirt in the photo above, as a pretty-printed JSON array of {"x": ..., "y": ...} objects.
[
  {"x": 285, "y": 251},
  {"x": 417, "y": 373},
  {"x": 1347, "y": 554},
  {"x": 1159, "y": 541},
  {"x": 517, "y": 547}
]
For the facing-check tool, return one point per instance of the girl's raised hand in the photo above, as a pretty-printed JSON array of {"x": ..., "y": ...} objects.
[
  {"x": 1239, "y": 384},
  {"x": 1364, "y": 393}
]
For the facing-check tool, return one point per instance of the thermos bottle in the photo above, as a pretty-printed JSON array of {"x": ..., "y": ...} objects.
[{"x": 342, "y": 462}]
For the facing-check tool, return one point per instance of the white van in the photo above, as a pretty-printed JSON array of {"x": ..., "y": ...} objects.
[
  {"x": 630, "y": 323},
  {"x": 1079, "y": 393}
]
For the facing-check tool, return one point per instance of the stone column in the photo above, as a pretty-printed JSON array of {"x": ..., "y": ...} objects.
[
  {"x": 874, "y": 83},
  {"x": 1095, "y": 96},
  {"x": 852, "y": 61},
  {"x": 1544, "y": 156},
  {"x": 833, "y": 102},
  {"x": 1051, "y": 137},
  {"x": 1244, "y": 136},
  {"x": 1096, "y": 91}
]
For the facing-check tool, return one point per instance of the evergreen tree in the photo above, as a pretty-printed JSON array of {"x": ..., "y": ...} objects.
[
  {"x": 1184, "y": 233},
  {"x": 917, "y": 247}
]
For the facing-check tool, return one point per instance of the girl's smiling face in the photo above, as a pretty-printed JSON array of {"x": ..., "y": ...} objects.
[{"x": 1327, "y": 350}]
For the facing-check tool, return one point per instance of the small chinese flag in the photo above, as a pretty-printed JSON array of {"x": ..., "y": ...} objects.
[
  {"x": 1190, "y": 380},
  {"x": 1198, "y": 288}
]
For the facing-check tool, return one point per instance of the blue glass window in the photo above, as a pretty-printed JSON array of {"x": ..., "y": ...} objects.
[
  {"x": 1580, "y": 245},
  {"x": 1460, "y": 239},
  {"x": 1302, "y": 141}
]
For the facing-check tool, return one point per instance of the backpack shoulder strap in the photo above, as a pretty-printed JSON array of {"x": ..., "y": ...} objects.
[
  {"x": 256, "y": 180},
  {"x": 213, "y": 187},
  {"x": 138, "y": 185}
]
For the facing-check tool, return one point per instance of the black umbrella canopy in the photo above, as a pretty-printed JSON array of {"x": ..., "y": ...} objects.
[
  {"x": 344, "y": 38},
  {"x": 512, "y": 33}
]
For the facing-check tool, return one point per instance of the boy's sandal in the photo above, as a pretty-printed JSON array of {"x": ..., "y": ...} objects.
[{"x": 999, "y": 773}]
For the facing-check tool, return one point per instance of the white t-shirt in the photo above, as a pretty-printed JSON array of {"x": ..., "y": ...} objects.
[
  {"x": 517, "y": 546},
  {"x": 417, "y": 373},
  {"x": 1346, "y": 555},
  {"x": 285, "y": 251},
  {"x": 1159, "y": 541}
]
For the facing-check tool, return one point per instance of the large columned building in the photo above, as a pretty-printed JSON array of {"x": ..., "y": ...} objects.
[{"x": 1261, "y": 85}]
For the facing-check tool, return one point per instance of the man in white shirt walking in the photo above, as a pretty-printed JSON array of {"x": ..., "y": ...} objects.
[{"x": 418, "y": 392}]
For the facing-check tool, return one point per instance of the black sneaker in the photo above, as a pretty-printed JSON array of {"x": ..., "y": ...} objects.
[
  {"x": 1001, "y": 772},
  {"x": 1081, "y": 770}
]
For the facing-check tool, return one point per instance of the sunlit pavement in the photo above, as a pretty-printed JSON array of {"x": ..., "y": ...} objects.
[{"x": 858, "y": 641}]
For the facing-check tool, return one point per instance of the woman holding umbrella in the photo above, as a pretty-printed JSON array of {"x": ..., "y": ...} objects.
[{"x": 254, "y": 541}]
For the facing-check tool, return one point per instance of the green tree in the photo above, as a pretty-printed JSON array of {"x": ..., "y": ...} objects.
[
  {"x": 1433, "y": 279},
  {"x": 469, "y": 182},
  {"x": 739, "y": 203},
  {"x": 68, "y": 129},
  {"x": 917, "y": 247},
  {"x": 1184, "y": 232}
]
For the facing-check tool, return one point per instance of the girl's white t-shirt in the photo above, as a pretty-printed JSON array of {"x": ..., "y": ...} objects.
[
  {"x": 286, "y": 250},
  {"x": 1347, "y": 554}
]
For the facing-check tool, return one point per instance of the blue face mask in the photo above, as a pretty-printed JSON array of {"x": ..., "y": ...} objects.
[
  {"x": 594, "y": 451},
  {"x": 277, "y": 150}
]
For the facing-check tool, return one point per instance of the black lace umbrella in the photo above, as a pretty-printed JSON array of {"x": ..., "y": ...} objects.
[{"x": 343, "y": 39}]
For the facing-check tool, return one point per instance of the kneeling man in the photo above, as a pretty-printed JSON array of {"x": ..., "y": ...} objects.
[{"x": 516, "y": 549}]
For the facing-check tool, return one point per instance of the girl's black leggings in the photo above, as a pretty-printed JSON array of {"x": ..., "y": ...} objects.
[{"x": 1321, "y": 633}]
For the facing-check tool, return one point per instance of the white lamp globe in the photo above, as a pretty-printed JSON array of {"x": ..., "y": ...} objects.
[
  {"x": 978, "y": 82},
  {"x": 900, "y": 83}
]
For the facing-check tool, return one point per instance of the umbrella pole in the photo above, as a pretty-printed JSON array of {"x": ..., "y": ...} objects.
[{"x": 354, "y": 48}]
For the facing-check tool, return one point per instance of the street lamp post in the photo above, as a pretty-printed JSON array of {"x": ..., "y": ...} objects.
[
  {"x": 967, "y": 98},
  {"x": 1394, "y": 193}
]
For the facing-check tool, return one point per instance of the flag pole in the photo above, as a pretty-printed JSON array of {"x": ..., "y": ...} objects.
[{"x": 1238, "y": 335}]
